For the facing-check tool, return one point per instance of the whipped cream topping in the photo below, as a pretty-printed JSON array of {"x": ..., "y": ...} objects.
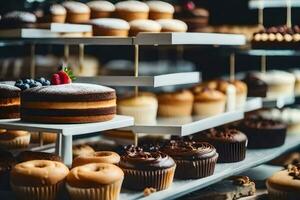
[
  {"x": 160, "y": 6},
  {"x": 131, "y": 5},
  {"x": 111, "y": 23},
  {"x": 101, "y": 6}
]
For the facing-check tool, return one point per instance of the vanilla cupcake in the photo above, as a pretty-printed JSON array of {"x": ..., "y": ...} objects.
[
  {"x": 77, "y": 12},
  {"x": 95, "y": 181},
  {"x": 14, "y": 139},
  {"x": 160, "y": 10},
  {"x": 209, "y": 102},
  {"x": 175, "y": 104},
  {"x": 142, "y": 107},
  {"x": 143, "y": 25},
  {"x": 172, "y": 25},
  {"x": 101, "y": 9},
  {"x": 131, "y": 10},
  {"x": 110, "y": 27},
  {"x": 54, "y": 13}
]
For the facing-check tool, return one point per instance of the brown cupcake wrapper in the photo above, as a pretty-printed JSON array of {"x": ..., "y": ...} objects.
[
  {"x": 231, "y": 152},
  {"x": 103, "y": 192},
  {"x": 194, "y": 169},
  {"x": 16, "y": 143},
  {"x": 140, "y": 179},
  {"x": 275, "y": 194},
  {"x": 51, "y": 192}
]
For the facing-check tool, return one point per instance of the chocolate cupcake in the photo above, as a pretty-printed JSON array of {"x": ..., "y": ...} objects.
[
  {"x": 231, "y": 144},
  {"x": 263, "y": 133},
  {"x": 7, "y": 161},
  {"x": 142, "y": 169},
  {"x": 256, "y": 86},
  {"x": 193, "y": 159},
  {"x": 33, "y": 155}
]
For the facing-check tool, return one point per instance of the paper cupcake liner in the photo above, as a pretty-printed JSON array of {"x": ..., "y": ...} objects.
[
  {"x": 105, "y": 192},
  {"x": 275, "y": 194},
  {"x": 140, "y": 179},
  {"x": 188, "y": 169},
  {"x": 51, "y": 192},
  {"x": 230, "y": 152},
  {"x": 16, "y": 143}
]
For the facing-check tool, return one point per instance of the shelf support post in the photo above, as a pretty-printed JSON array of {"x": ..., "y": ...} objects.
[
  {"x": 136, "y": 67},
  {"x": 66, "y": 150},
  {"x": 41, "y": 141},
  {"x": 66, "y": 54},
  {"x": 81, "y": 57},
  {"x": 32, "y": 61},
  {"x": 288, "y": 14},
  {"x": 261, "y": 13},
  {"x": 232, "y": 67},
  {"x": 263, "y": 64},
  {"x": 58, "y": 144}
]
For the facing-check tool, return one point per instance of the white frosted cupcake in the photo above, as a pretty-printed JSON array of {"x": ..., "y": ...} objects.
[
  {"x": 172, "y": 25},
  {"x": 110, "y": 27},
  {"x": 131, "y": 10},
  {"x": 143, "y": 25},
  {"x": 101, "y": 9},
  {"x": 160, "y": 10},
  {"x": 77, "y": 12}
]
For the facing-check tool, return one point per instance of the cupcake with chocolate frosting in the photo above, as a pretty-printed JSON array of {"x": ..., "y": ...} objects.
[
  {"x": 193, "y": 159},
  {"x": 144, "y": 169},
  {"x": 231, "y": 144}
]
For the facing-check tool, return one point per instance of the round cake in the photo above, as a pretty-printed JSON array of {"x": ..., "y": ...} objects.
[
  {"x": 9, "y": 102},
  {"x": 68, "y": 103}
]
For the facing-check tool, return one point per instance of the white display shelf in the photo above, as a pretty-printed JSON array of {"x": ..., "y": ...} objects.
[
  {"x": 279, "y": 102},
  {"x": 256, "y": 4},
  {"x": 150, "y": 81},
  {"x": 266, "y": 52},
  {"x": 182, "y": 187},
  {"x": 183, "y": 126},
  {"x": 253, "y": 103},
  {"x": 189, "y": 39}
]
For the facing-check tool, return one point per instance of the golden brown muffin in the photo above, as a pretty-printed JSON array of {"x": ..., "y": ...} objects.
[
  {"x": 175, "y": 104},
  {"x": 77, "y": 12},
  {"x": 97, "y": 157},
  {"x": 14, "y": 139},
  {"x": 143, "y": 25},
  {"x": 132, "y": 10},
  {"x": 101, "y": 9},
  {"x": 160, "y": 10}
]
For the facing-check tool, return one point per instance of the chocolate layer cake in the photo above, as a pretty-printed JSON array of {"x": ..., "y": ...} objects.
[
  {"x": 68, "y": 103},
  {"x": 9, "y": 102}
]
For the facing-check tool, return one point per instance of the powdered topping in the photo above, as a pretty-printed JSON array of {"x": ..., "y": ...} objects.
[
  {"x": 173, "y": 24},
  {"x": 160, "y": 6},
  {"x": 76, "y": 7},
  {"x": 7, "y": 88},
  {"x": 112, "y": 23},
  {"x": 134, "y": 6},
  {"x": 145, "y": 24},
  {"x": 101, "y": 6}
]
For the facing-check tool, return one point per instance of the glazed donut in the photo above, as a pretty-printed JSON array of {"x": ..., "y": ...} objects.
[
  {"x": 93, "y": 175},
  {"x": 38, "y": 173},
  {"x": 97, "y": 157}
]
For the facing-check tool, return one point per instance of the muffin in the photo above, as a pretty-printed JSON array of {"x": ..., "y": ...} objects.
[
  {"x": 33, "y": 155},
  {"x": 18, "y": 19},
  {"x": 14, "y": 139},
  {"x": 256, "y": 87},
  {"x": 193, "y": 159},
  {"x": 143, "y": 25},
  {"x": 47, "y": 138},
  {"x": 175, "y": 104},
  {"x": 96, "y": 181},
  {"x": 142, "y": 169},
  {"x": 285, "y": 184},
  {"x": 97, "y": 157},
  {"x": 142, "y": 107},
  {"x": 101, "y": 9},
  {"x": 172, "y": 25},
  {"x": 263, "y": 133},
  {"x": 9, "y": 101},
  {"x": 52, "y": 13},
  {"x": 132, "y": 10},
  {"x": 38, "y": 179},
  {"x": 82, "y": 150},
  {"x": 110, "y": 27},
  {"x": 7, "y": 161},
  {"x": 209, "y": 102},
  {"x": 77, "y": 12},
  {"x": 160, "y": 10},
  {"x": 231, "y": 144}
]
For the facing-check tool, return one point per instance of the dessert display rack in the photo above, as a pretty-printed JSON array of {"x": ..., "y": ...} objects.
[{"x": 257, "y": 4}]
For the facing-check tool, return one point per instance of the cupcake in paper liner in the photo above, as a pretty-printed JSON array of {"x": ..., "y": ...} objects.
[
  {"x": 285, "y": 184},
  {"x": 38, "y": 179},
  {"x": 193, "y": 159},
  {"x": 14, "y": 139},
  {"x": 146, "y": 169},
  {"x": 95, "y": 181}
]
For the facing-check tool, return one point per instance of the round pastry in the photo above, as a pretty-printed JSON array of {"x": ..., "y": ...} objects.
[
  {"x": 285, "y": 184},
  {"x": 7, "y": 161},
  {"x": 172, "y": 25},
  {"x": 96, "y": 181},
  {"x": 146, "y": 169},
  {"x": 131, "y": 10},
  {"x": 97, "y": 157},
  {"x": 9, "y": 102},
  {"x": 263, "y": 133},
  {"x": 256, "y": 87},
  {"x": 209, "y": 102},
  {"x": 82, "y": 150},
  {"x": 101, "y": 9},
  {"x": 77, "y": 12},
  {"x": 68, "y": 103},
  {"x": 193, "y": 159},
  {"x": 47, "y": 138},
  {"x": 142, "y": 107},
  {"x": 33, "y": 155},
  {"x": 231, "y": 144},
  {"x": 52, "y": 13},
  {"x": 160, "y": 10},
  {"x": 18, "y": 19},
  {"x": 38, "y": 179},
  {"x": 143, "y": 25},
  {"x": 14, "y": 139},
  {"x": 175, "y": 104},
  {"x": 110, "y": 27}
]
